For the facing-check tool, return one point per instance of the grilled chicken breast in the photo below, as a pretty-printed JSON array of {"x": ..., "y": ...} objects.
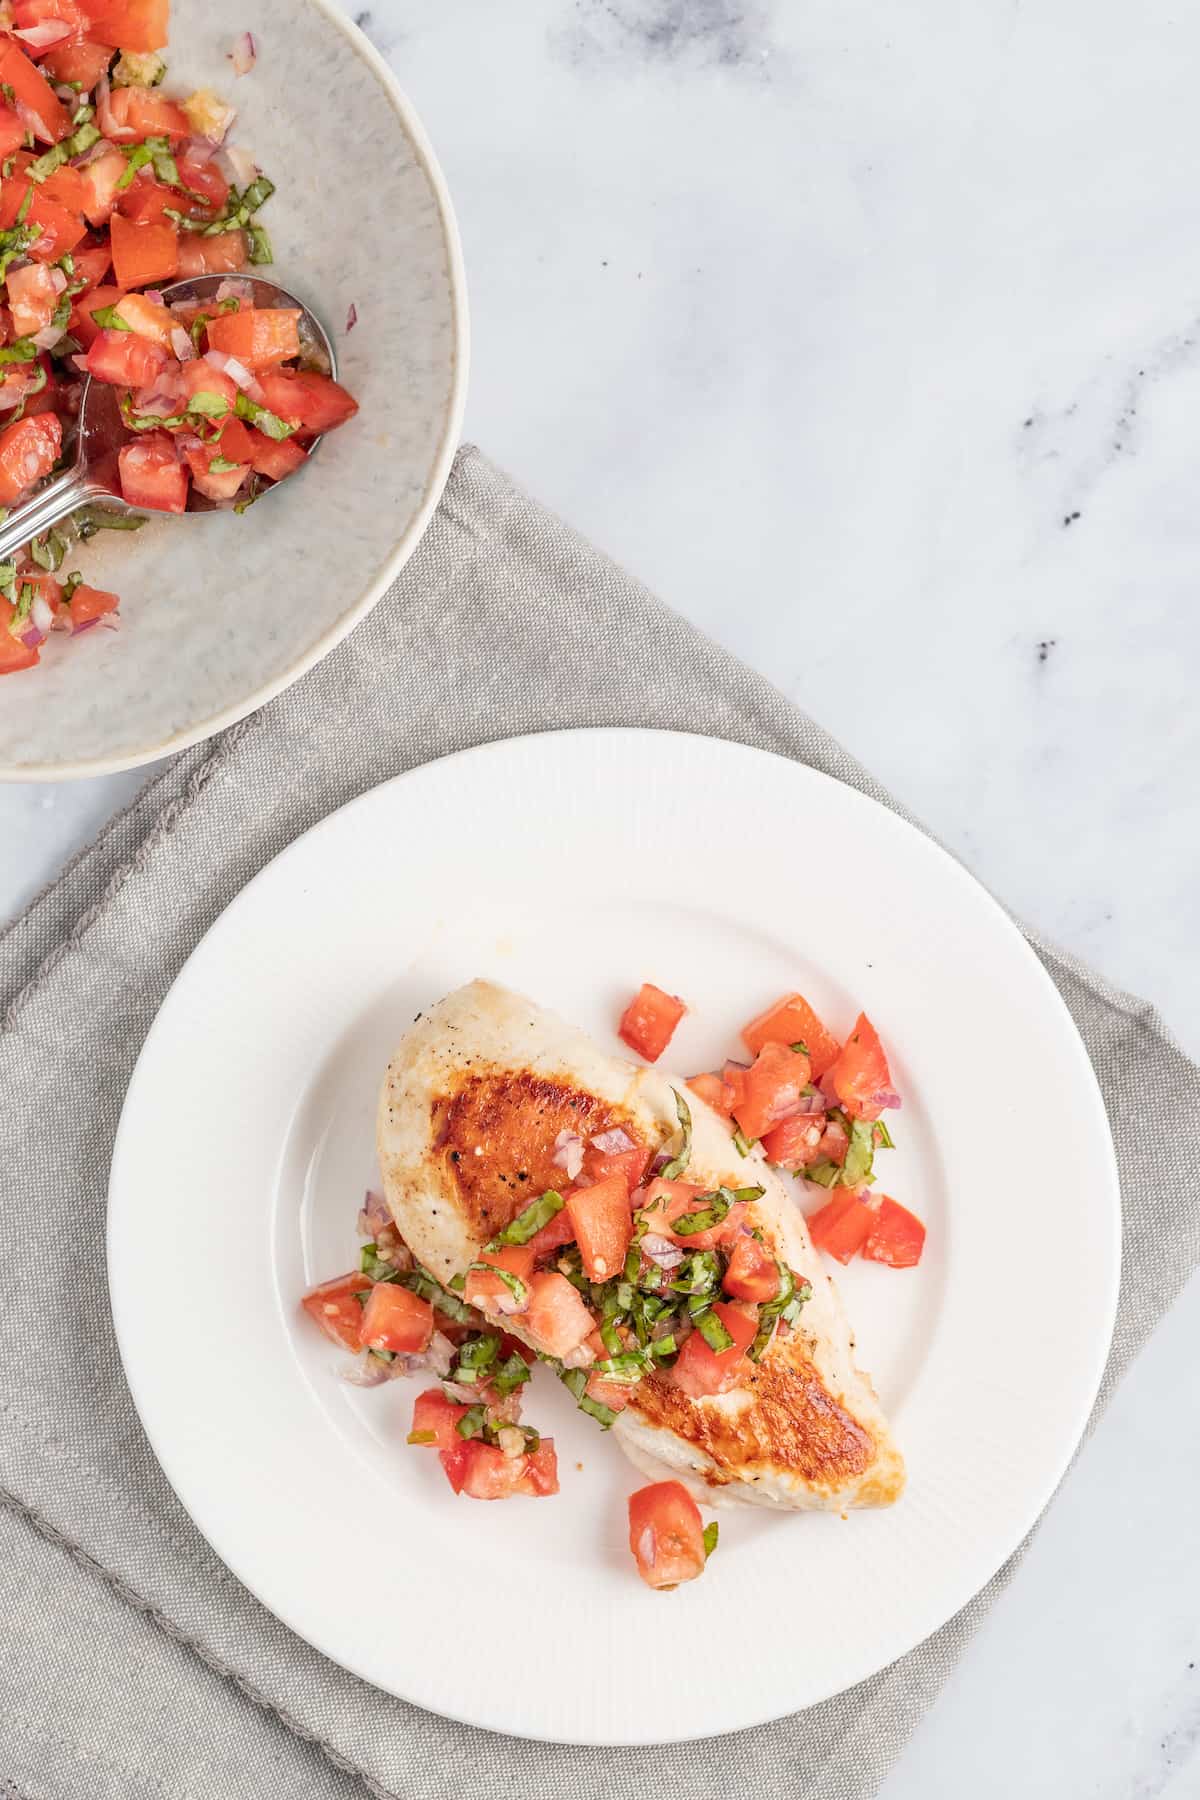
[{"x": 473, "y": 1100}]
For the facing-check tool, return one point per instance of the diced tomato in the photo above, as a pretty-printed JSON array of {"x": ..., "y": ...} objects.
[
  {"x": 276, "y": 460},
  {"x": 125, "y": 359},
  {"x": 91, "y": 266},
  {"x": 143, "y": 253},
  {"x": 32, "y": 90},
  {"x": 666, "y": 1534},
  {"x": 29, "y": 450},
  {"x": 796, "y": 1143},
  {"x": 12, "y": 133},
  {"x": 26, "y": 14},
  {"x": 603, "y": 1225},
  {"x": 32, "y": 297},
  {"x": 556, "y": 1316},
  {"x": 224, "y": 254},
  {"x": 613, "y": 1394},
  {"x": 237, "y": 442},
  {"x": 666, "y": 1201},
  {"x": 487, "y": 1474},
  {"x": 152, "y": 475},
  {"x": 454, "y": 1460},
  {"x": 648, "y": 1022},
  {"x": 259, "y": 337},
  {"x": 834, "y": 1142},
  {"x": 715, "y": 1091},
  {"x": 14, "y": 655},
  {"x": 897, "y": 1237},
  {"x": 88, "y": 603},
  {"x": 139, "y": 25},
  {"x": 214, "y": 484},
  {"x": 700, "y": 1370},
  {"x": 46, "y": 586},
  {"x": 47, "y": 399},
  {"x": 860, "y": 1077},
  {"x": 65, "y": 186},
  {"x": 82, "y": 62},
  {"x": 60, "y": 230},
  {"x": 315, "y": 402},
  {"x": 394, "y": 1319},
  {"x": 791, "y": 1020},
  {"x": 751, "y": 1273},
  {"x": 433, "y": 1412},
  {"x": 200, "y": 377},
  {"x": 773, "y": 1088},
  {"x": 336, "y": 1310},
  {"x": 842, "y": 1226},
  {"x": 630, "y": 1165},
  {"x": 100, "y": 187},
  {"x": 148, "y": 319},
  {"x": 147, "y": 112},
  {"x": 83, "y": 325},
  {"x": 734, "y": 1076},
  {"x": 206, "y": 179},
  {"x": 541, "y": 1471},
  {"x": 547, "y": 1242},
  {"x": 492, "y": 1291},
  {"x": 147, "y": 200}
]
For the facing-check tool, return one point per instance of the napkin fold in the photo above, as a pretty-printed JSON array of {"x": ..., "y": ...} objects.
[{"x": 132, "y": 1663}]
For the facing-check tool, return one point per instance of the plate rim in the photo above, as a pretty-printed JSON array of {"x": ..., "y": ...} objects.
[
  {"x": 1097, "y": 1355},
  {"x": 439, "y": 473}
]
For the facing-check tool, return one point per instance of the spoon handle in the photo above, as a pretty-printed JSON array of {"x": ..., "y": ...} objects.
[{"x": 72, "y": 489}]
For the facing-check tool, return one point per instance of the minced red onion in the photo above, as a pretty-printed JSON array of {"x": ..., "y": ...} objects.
[
  {"x": 351, "y": 317},
  {"x": 662, "y": 1251},
  {"x": 199, "y": 150},
  {"x": 182, "y": 344},
  {"x": 32, "y": 638},
  {"x": 45, "y": 36},
  {"x": 579, "y": 1358},
  {"x": 235, "y": 290},
  {"x": 105, "y": 117},
  {"x": 613, "y": 1142},
  {"x": 32, "y": 122},
  {"x": 58, "y": 281},
  {"x": 48, "y": 336},
  {"x": 366, "y": 1371},
  {"x": 153, "y": 295},
  {"x": 244, "y": 54},
  {"x": 41, "y": 613},
  {"x": 86, "y": 625},
  {"x": 374, "y": 1214},
  {"x": 660, "y": 1162},
  {"x": 457, "y": 1390},
  {"x": 440, "y": 1353},
  {"x": 236, "y": 164},
  {"x": 568, "y": 1153}
]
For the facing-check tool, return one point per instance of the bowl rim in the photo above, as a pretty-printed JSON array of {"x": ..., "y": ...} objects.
[{"x": 438, "y": 474}]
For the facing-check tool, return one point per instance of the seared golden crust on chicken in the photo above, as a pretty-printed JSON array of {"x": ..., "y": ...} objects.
[{"x": 471, "y": 1105}]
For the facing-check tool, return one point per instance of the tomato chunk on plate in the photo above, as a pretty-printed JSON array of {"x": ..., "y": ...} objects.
[
  {"x": 860, "y": 1077},
  {"x": 492, "y": 1291},
  {"x": 139, "y": 25},
  {"x": 483, "y": 1472},
  {"x": 715, "y": 1091},
  {"x": 772, "y": 1088},
  {"x": 791, "y": 1020},
  {"x": 666, "y": 1534},
  {"x": 144, "y": 251},
  {"x": 258, "y": 337},
  {"x": 310, "y": 400},
  {"x": 842, "y": 1226},
  {"x": 603, "y": 1225},
  {"x": 751, "y": 1273},
  {"x": 648, "y": 1022},
  {"x": 393, "y": 1319},
  {"x": 435, "y": 1420},
  {"x": 126, "y": 359},
  {"x": 897, "y": 1236},
  {"x": 701, "y": 1370},
  {"x": 335, "y": 1308},
  {"x": 28, "y": 450},
  {"x": 87, "y": 604},
  {"x": 556, "y": 1316}
]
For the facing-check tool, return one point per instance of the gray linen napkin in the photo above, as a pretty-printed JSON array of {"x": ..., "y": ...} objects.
[{"x": 132, "y": 1663}]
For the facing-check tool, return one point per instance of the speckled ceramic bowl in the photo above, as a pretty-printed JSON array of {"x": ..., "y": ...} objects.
[{"x": 219, "y": 613}]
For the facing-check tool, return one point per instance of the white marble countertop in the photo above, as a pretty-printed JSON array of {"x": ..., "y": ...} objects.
[{"x": 870, "y": 337}]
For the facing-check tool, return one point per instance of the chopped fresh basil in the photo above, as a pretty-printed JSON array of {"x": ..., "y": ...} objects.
[
  {"x": 741, "y": 1143},
  {"x": 221, "y": 465},
  {"x": 824, "y": 1173},
  {"x": 253, "y": 490},
  {"x": 6, "y": 88},
  {"x": 23, "y": 209},
  {"x": 576, "y": 1380},
  {"x": 698, "y": 1273},
  {"x": 17, "y": 239},
  {"x": 801, "y": 1048},
  {"x": 73, "y": 580},
  {"x": 421, "y": 1437},
  {"x": 711, "y": 1209},
  {"x": 230, "y": 304},
  {"x": 683, "y": 1112},
  {"x": 258, "y": 245},
  {"x": 513, "y": 1283},
  {"x": 712, "y": 1534},
  {"x": 109, "y": 319},
  {"x": 273, "y": 427},
  {"x": 472, "y": 1423},
  {"x": 91, "y": 519},
  {"x": 75, "y": 145},
  {"x": 83, "y": 113},
  {"x": 539, "y": 1212},
  {"x": 860, "y": 1154},
  {"x": 883, "y": 1137},
  {"x": 785, "y": 1305},
  {"x": 511, "y": 1374},
  {"x": 629, "y": 1367},
  {"x": 210, "y": 406},
  {"x": 49, "y": 551},
  {"x": 22, "y": 351},
  {"x": 713, "y": 1331},
  {"x": 198, "y": 325},
  {"x": 479, "y": 1353},
  {"x": 420, "y": 1281},
  {"x": 663, "y": 1346},
  {"x": 257, "y": 194}
]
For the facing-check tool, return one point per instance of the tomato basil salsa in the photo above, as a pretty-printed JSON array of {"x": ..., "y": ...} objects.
[
  {"x": 632, "y": 1271},
  {"x": 110, "y": 190}
]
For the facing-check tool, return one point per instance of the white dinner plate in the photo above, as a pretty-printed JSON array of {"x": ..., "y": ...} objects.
[{"x": 573, "y": 867}]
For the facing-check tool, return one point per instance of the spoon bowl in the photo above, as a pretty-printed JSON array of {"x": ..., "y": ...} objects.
[{"x": 92, "y": 478}]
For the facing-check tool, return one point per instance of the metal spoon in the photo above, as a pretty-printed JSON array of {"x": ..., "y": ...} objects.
[{"x": 93, "y": 475}]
